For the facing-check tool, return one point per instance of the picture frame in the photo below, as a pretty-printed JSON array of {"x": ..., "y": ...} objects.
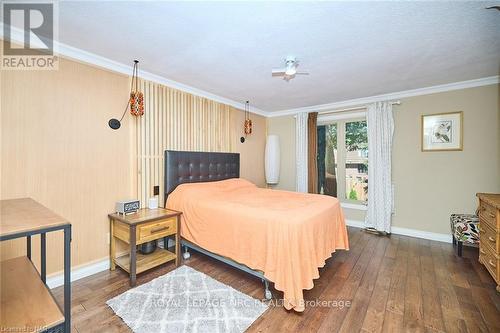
[{"x": 442, "y": 132}]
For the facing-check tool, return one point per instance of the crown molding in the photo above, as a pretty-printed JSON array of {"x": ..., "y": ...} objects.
[
  {"x": 67, "y": 51},
  {"x": 391, "y": 96},
  {"x": 93, "y": 59}
]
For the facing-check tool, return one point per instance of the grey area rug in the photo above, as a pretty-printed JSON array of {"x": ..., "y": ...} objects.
[{"x": 185, "y": 300}]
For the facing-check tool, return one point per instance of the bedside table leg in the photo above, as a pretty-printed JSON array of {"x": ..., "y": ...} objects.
[
  {"x": 112, "y": 250},
  {"x": 133, "y": 254},
  {"x": 177, "y": 245}
]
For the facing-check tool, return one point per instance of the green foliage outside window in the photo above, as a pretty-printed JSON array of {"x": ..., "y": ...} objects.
[
  {"x": 353, "y": 195},
  {"x": 356, "y": 136}
]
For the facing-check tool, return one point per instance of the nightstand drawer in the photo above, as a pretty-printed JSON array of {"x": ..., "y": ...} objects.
[{"x": 157, "y": 229}]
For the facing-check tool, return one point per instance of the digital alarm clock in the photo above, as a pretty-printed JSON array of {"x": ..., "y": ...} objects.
[{"x": 128, "y": 206}]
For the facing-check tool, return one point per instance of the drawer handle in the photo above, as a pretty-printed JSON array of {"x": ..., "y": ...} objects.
[
  {"x": 154, "y": 231},
  {"x": 482, "y": 251},
  {"x": 491, "y": 215},
  {"x": 481, "y": 230},
  {"x": 492, "y": 264},
  {"x": 491, "y": 239}
]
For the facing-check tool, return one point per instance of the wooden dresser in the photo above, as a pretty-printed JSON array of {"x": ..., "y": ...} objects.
[{"x": 489, "y": 233}]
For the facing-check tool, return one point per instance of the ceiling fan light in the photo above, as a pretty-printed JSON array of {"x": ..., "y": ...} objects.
[{"x": 291, "y": 71}]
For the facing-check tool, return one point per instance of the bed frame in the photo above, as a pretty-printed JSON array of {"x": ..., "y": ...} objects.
[{"x": 194, "y": 167}]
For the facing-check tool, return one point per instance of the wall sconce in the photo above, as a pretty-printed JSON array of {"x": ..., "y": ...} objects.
[
  {"x": 135, "y": 101},
  {"x": 247, "y": 127}
]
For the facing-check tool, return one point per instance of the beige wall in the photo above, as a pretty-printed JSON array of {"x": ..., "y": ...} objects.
[
  {"x": 252, "y": 151},
  {"x": 57, "y": 148},
  {"x": 430, "y": 186}
]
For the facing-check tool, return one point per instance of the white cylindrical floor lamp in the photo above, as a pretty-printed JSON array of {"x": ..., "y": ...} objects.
[{"x": 272, "y": 159}]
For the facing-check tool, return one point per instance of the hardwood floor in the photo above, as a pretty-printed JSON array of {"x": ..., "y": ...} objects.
[{"x": 394, "y": 284}]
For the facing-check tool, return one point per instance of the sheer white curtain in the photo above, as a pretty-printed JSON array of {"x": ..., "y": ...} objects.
[
  {"x": 301, "y": 151},
  {"x": 380, "y": 199}
]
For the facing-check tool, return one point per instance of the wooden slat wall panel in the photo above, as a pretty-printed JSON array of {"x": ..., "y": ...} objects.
[
  {"x": 58, "y": 149},
  {"x": 175, "y": 120}
]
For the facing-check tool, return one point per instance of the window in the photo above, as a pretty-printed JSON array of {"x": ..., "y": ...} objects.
[
  {"x": 343, "y": 159},
  {"x": 356, "y": 161}
]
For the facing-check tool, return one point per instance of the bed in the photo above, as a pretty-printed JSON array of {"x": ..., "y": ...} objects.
[{"x": 279, "y": 236}]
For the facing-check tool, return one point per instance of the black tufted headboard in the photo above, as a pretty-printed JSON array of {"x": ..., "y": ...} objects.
[{"x": 194, "y": 166}]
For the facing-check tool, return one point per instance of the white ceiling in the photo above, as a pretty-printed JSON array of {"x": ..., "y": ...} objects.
[{"x": 352, "y": 49}]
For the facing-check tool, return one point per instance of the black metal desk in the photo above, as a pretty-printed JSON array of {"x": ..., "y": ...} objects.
[{"x": 26, "y": 218}]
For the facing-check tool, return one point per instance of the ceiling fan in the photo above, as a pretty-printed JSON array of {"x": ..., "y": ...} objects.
[{"x": 290, "y": 70}]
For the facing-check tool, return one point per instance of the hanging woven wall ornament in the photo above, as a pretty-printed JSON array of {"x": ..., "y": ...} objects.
[
  {"x": 247, "y": 127},
  {"x": 136, "y": 97},
  {"x": 135, "y": 101}
]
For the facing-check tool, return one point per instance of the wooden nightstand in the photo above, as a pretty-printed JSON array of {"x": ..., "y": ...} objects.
[{"x": 144, "y": 226}]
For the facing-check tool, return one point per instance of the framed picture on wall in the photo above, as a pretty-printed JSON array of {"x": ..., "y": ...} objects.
[{"x": 442, "y": 132}]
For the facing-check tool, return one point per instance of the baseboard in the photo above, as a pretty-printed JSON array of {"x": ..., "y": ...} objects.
[
  {"x": 79, "y": 272},
  {"x": 82, "y": 271},
  {"x": 446, "y": 238},
  {"x": 354, "y": 223}
]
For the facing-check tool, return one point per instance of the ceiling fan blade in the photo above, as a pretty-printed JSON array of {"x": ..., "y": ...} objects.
[
  {"x": 280, "y": 71},
  {"x": 302, "y": 73}
]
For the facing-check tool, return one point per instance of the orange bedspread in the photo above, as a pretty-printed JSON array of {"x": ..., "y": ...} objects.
[{"x": 286, "y": 235}]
